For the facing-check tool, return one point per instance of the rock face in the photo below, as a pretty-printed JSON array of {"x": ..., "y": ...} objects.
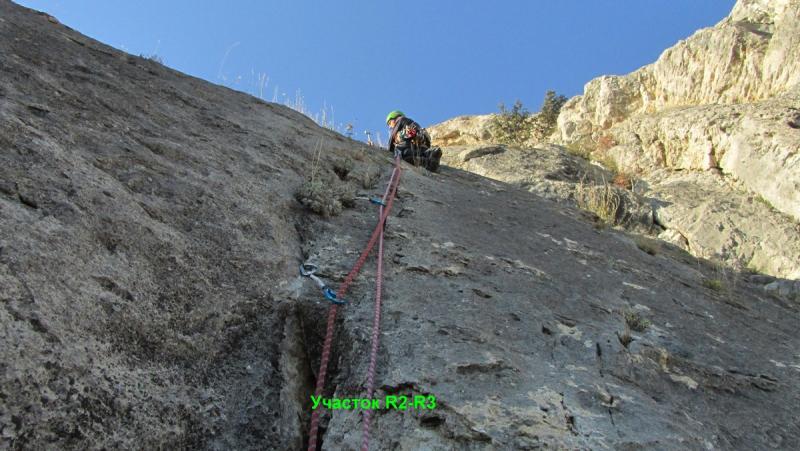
[
  {"x": 149, "y": 295},
  {"x": 462, "y": 131},
  {"x": 707, "y": 215},
  {"x": 717, "y": 220},
  {"x": 509, "y": 310},
  {"x": 549, "y": 171},
  {"x": 754, "y": 54},
  {"x": 724, "y": 103},
  {"x": 757, "y": 144},
  {"x": 724, "y": 98},
  {"x": 147, "y": 236}
]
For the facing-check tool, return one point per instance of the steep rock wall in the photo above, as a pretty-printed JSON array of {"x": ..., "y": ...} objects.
[{"x": 753, "y": 54}]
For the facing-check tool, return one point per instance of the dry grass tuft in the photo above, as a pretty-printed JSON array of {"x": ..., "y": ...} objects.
[
  {"x": 600, "y": 200},
  {"x": 579, "y": 151},
  {"x": 636, "y": 321},
  {"x": 323, "y": 191},
  {"x": 632, "y": 321},
  {"x": 714, "y": 284},
  {"x": 625, "y": 337}
]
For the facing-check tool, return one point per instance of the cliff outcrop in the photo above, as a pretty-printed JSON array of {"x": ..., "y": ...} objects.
[
  {"x": 711, "y": 134},
  {"x": 725, "y": 98},
  {"x": 462, "y": 131}
]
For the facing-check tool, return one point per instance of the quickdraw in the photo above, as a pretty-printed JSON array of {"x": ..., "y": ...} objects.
[
  {"x": 309, "y": 270},
  {"x": 377, "y": 201},
  {"x": 374, "y": 200}
]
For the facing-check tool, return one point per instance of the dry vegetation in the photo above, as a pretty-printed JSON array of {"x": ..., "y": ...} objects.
[
  {"x": 602, "y": 200},
  {"x": 329, "y": 190}
]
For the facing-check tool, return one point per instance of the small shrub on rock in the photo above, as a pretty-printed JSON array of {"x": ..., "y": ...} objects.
[
  {"x": 368, "y": 177},
  {"x": 579, "y": 151},
  {"x": 545, "y": 122},
  {"x": 623, "y": 180},
  {"x": 511, "y": 126},
  {"x": 315, "y": 196},
  {"x": 636, "y": 321},
  {"x": 325, "y": 195}
]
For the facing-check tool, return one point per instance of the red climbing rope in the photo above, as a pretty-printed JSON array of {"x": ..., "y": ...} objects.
[
  {"x": 388, "y": 200},
  {"x": 376, "y": 328}
]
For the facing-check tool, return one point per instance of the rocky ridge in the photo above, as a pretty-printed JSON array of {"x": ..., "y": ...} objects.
[
  {"x": 149, "y": 293},
  {"x": 462, "y": 131},
  {"x": 720, "y": 109},
  {"x": 752, "y": 55},
  {"x": 723, "y": 103}
]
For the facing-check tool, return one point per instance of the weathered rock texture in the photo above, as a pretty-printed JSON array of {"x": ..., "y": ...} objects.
[
  {"x": 149, "y": 295},
  {"x": 146, "y": 225},
  {"x": 727, "y": 98},
  {"x": 710, "y": 216},
  {"x": 552, "y": 173},
  {"x": 462, "y": 131},
  {"x": 756, "y": 143},
  {"x": 509, "y": 308},
  {"x": 723, "y": 104},
  {"x": 754, "y": 54}
]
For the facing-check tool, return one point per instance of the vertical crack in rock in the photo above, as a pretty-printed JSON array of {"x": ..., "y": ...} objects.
[
  {"x": 569, "y": 418},
  {"x": 599, "y": 356},
  {"x": 298, "y": 385},
  {"x": 301, "y": 352}
]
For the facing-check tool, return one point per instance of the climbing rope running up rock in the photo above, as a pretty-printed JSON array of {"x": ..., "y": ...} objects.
[{"x": 377, "y": 236}]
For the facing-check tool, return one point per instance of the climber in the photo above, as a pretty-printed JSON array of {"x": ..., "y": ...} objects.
[{"x": 412, "y": 142}]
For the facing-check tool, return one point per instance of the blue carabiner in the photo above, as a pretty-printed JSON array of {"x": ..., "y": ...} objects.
[
  {"x": 331, "y": 296},
  {"x": 377, "y": 201}
]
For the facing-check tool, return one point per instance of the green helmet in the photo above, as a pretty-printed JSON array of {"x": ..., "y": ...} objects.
[{"x": 394, "y": 115}]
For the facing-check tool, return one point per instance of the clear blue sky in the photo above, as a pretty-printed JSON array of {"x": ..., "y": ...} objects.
[{"x": 433, "y": 59}]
